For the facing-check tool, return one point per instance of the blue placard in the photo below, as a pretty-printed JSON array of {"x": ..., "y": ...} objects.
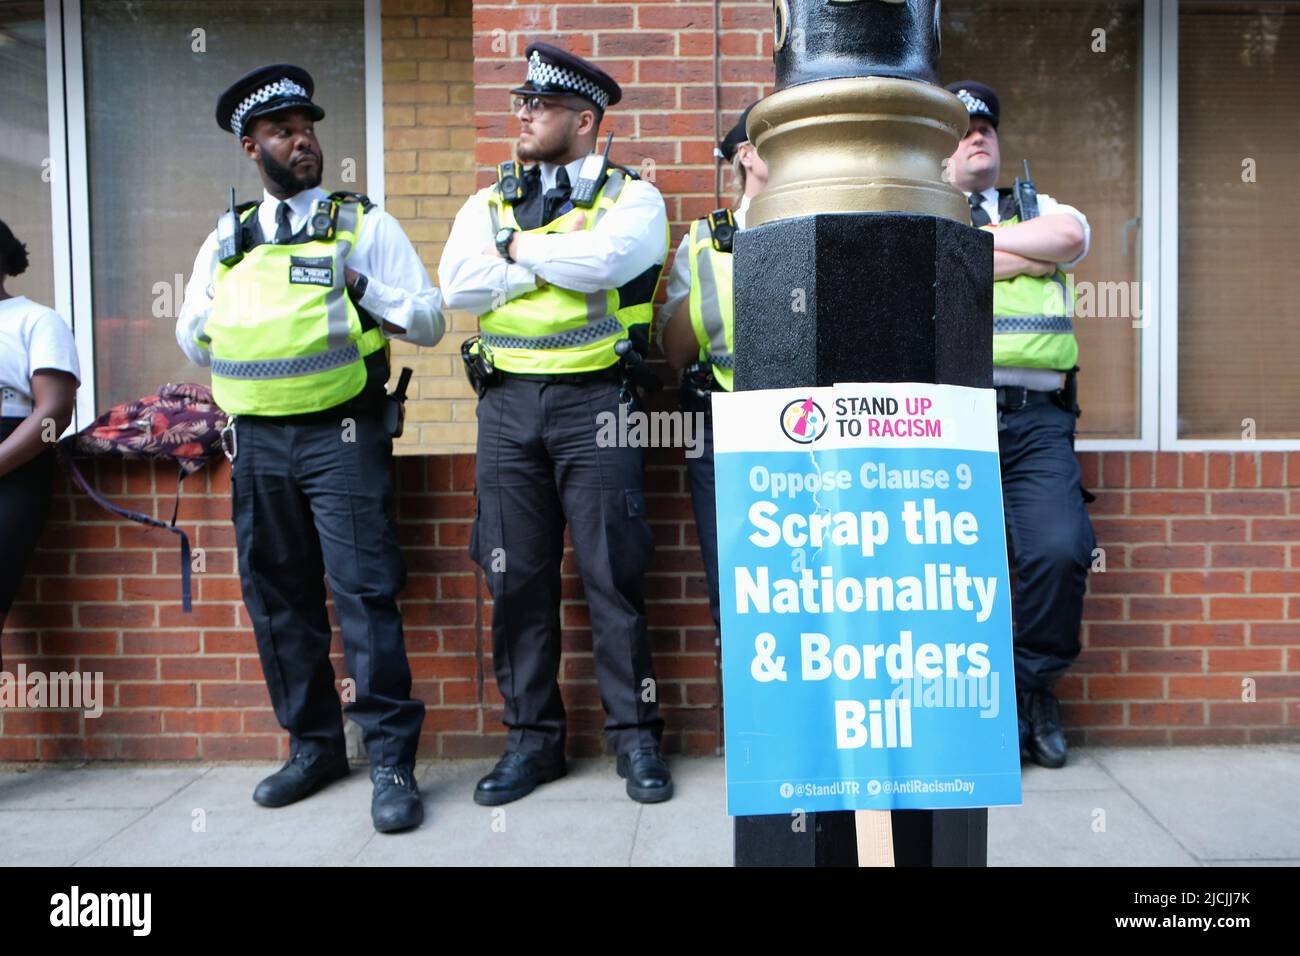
[{"x": 866, "y": 627}]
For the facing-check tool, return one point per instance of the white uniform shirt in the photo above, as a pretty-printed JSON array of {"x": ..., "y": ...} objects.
[
  {"x": 398, "y": 290},
  {"x": 1038, "y": 379},
  {"x": 630, "y": 238},
  {"x": 679, "y": 280},
  {"x": 1047, "y": 206},
  {"x": 32, "y": 338}
]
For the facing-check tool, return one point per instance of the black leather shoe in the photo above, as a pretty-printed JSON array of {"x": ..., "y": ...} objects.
[
  {"x": 1046, "y": 738},
  {"x": 648, "y": 779},
  {"x": 516, "y": 775},
  {"x": 1026, "y": 731},
  {"x": 396, "y": 804},
  {"x": 303, "y": 775}
]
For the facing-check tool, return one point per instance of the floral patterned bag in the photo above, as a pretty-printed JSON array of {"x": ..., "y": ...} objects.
[{"x": 181, "y": 423}]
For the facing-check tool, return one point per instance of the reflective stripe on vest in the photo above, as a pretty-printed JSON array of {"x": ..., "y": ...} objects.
[
  {"x": 712, "y": 306},
  {"x": 554, "y": 330},
  {"x": 1032, "y": 320},
  {"x": 1004, "y": 324},
  {"x": 284, "y": 335}
]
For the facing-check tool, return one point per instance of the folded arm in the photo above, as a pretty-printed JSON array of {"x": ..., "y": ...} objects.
[{"x": 54, "y": 394}]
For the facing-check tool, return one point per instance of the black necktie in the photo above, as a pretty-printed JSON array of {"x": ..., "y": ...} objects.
[
  {"x": 283, "y": 231},
  {"x": 978, "y": 217},
  {"x": 557, "y": 196}
]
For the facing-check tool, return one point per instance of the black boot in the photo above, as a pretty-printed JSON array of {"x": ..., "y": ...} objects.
[
  {"x": 648, "y": 779},
  {"x": 516, "y": 775},
  {"x": 303, "y": 775},
  {"x": 1046, "y": 739},
  {"x": 396, "y": 803}
]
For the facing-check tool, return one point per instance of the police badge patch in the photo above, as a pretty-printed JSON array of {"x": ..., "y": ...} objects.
[{"x": 304, "y": 270}]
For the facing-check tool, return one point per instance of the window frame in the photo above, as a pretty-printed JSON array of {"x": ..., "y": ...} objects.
[
  {"x": 1168, "y": 180},
  {"x": 1149, "y": 230},
  {"x": 70, "y": 179}
]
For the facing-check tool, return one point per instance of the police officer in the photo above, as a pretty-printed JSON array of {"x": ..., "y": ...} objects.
[
  {"x": 291, "y": 302},
  {"x": 696, "y": 328},
  {"x": 1034, "y": 356},
  {"x": 560, "y": 263}
]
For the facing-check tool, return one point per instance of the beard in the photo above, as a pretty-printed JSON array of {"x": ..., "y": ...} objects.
[
  {"x": 284, "y": 176},
  {"x": 536, "y": 152}
]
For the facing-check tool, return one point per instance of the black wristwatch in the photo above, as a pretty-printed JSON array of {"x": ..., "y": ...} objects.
[
  {"x": 504, "y": 235},
  {"x": 358, "y": 287}
]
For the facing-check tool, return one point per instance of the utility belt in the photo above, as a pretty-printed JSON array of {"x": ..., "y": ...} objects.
[
  {"x": 1014, "y": 398},
  {"x": 630, "y": 371},
  {"x": 610, "y": 374},
  {"x": 388, "y": 407},
  {"x": 368, "y": 403},
  {"x": 698, "y": 386}
]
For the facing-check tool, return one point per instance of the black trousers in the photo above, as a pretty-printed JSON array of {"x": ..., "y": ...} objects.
[
  {"x": 313, "y": 501},
  {"x": 24, "y": 505},
  {"x": 699, "y": 472},
  {"x": 540, "y": 466},
  {"x": 1051, "y": 540}
]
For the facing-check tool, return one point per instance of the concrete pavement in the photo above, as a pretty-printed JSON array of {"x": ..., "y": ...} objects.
[{"x": 1203, "y": 806}]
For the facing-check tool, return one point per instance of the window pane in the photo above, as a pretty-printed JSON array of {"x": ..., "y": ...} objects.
[
  {"x": 161, "y": 170},
  {"x": 1239, "y": 220},
  {"x": 1074, "y": 110},
  {"x": 25, "y": 146}
]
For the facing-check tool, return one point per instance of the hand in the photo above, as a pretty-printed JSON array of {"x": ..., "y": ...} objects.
[
  {"x": 1039, "y": 268},
  {"x": 350, "y": 275}
]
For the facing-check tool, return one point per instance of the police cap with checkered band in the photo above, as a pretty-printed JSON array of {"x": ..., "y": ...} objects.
[
  {"x": 556, "y": 72},
  {"x": 268, "y": 89},
  {"x": 978, "y": 98}
]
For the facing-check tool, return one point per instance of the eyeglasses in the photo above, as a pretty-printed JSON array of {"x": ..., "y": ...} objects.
[{"x": 539, "y": 104}]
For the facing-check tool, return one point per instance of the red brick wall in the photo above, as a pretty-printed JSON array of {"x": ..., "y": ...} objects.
[
  {"x": 1202, "y": 569},
  {"x": 662, "y": 54},
  {"x": 1197, "y": 594},
  {"x": 103, "y": 595}
]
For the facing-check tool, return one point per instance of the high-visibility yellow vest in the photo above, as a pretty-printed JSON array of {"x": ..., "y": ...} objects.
[
  {"x": 284, "y": 336},
  {"x": 1032, "y": 320},
  {"x": 553, "y": 330},
  {"x": 713, "y": 309}
]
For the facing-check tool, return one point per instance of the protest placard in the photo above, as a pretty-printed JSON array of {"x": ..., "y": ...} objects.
[{"x": 866, "y": 618}]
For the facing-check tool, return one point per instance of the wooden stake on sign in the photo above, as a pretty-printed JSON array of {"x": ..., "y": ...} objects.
[{"x": 875, "y": 837}]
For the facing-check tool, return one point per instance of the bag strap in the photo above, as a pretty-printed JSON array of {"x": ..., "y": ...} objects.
[{"x": 186, "y": 585}]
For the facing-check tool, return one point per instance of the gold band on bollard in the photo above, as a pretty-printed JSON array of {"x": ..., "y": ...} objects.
[{"x": 858, "y": 144}]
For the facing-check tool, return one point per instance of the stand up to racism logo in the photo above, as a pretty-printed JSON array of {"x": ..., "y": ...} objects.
[{"x": 803, "y": 421}]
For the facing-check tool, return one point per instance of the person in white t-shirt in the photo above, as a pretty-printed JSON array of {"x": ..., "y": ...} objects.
[{"x": 38, "y": 388}]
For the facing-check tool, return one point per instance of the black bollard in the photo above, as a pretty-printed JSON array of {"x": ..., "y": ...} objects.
[{"x": 859, "y": 267}]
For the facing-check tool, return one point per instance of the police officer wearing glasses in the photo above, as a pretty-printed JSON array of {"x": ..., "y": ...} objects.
[
  {"x": 560, "y": 262},
  {"x": 291, "y": 302}
]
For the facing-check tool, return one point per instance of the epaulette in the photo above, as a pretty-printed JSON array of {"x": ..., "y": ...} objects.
[{"x": 344, "y": 195}]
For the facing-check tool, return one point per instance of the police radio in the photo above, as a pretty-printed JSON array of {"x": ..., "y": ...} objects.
[
  {"x": 510, "y": 180},
  {"x": 321, "y": 223},
  {"x": 229, "y": 249},
  {"x": 1026, "y": 196},
  {"x": 722, "y": 227},
  {"x": 591, "y": 176}
]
